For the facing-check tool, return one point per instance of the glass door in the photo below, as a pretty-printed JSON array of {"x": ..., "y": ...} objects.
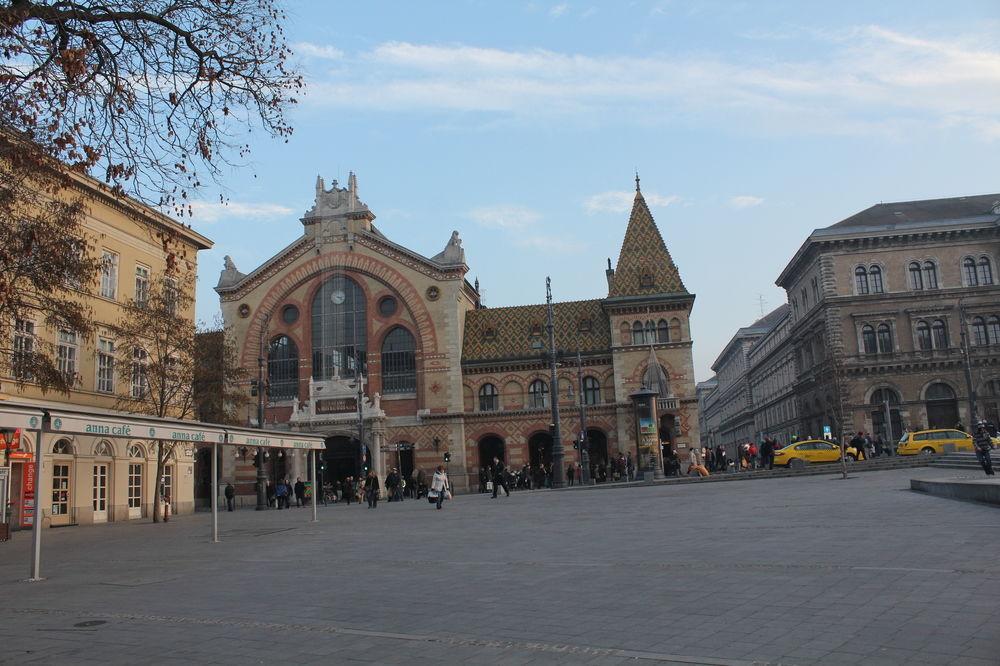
[
  {"x": 134, "y": 490},
  {"x": 60, "y": 494},
  {"x": 100, "y": 493}
]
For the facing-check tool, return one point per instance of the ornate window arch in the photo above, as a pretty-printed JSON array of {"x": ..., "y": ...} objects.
[
  {"x": 282, "y": 369},
  {"x": 940, "y": 331},
  {"x": 104, "y": 449},
  {"x": 861, "y": 280},
  {"x": 875, "y": 277},
  {"x": 930, "y": 275},
  {"x": 980, "y": 334},
  {"x": 993, "y": 330},
  {"x": 538, "y": 394},
  {"x": 969, "y": 272},
  {"x": 63, "y": 447},
  {"x": 399, "y": 364},
  {"x": 489, "y": 398},
  {"x": 924, "y": 341},
  {"x": 884, "y": 339},
  {"x": 591, "y": 391},
  {"x": 869, "y": 344},
  {"x": 135, "y": 451},
  {"x": 638, "y": 333},
  {"x": 916, "y": 277},
  {"x": 662, "y": 331},
  {"x": 939, "y": 391},
  {"x": 339, "y": 329},
  {"x": 985, "y": 270}
]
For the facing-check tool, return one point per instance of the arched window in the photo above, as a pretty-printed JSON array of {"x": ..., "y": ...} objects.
[
  {"x": 985, "y": 271},
  {"x": 538, "y": 394},
  {"x": 980, "y": 336},
  {"x": 591, "y": 391},
  {"x": 861, "y": 279},
  {"x": 875, "y": 275},
  {"x": 675, "y": 330},
  {"x": 924, "y": 335},
  {"x": 282, "y": 369},
  {"x": 650, "y": 332},
  {"x": 969, "y": 268},
  {"x": 626, "y": 332},
  {"x": 940, "y": 391},
  {"x": 63, "y": 447},
  {"x": 930, "y": 275},
  {"x": 662, "y": 331},
  {"x": 339, "y": 333},
  {"x": 993, "y": 330},
  {"x": 884, "y": 395},
  {"x": 638, "y": 336},
  {"x": 868, "y": 339},
  {"x": 916, "y": 281},
  {"x": 399, "y": 365},
  {"x": 940, "y": 334},
  {"x": 135, "y": 451},
  {"x": 884, "y": 339},
  {"x": 489, "y": 399},
  {"x": 104, "y": 450}
]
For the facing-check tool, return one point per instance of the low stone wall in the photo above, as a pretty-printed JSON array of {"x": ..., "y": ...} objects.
[{"x": 987, "y": 492}]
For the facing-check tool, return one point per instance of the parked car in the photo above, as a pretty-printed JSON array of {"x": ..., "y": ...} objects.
[
  {"x": 810, "y": 451},
  {"x": 926, "y": 442}
]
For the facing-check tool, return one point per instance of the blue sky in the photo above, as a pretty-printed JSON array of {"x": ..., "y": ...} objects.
[{"x": 520, "y": 124}]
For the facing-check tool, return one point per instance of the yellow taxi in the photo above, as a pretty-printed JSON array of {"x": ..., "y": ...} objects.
[
  {"x": 811, "y": 451},
  {"x": 927, "y": 442}
]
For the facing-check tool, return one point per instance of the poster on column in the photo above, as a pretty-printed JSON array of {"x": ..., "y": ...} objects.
[{"x": 28, "y": 494}]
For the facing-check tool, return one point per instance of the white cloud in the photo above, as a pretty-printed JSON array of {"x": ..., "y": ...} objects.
[
  {"x": 620, "y": 201},
  {"x": 559, "y": 10},
  {"x": 557, "y": 244},
  {"x": 861, "y": 81},
  {"x": 588, "y": 12},
  {"x": 745, "y": 201},
  {"x": 507, "y": 217},
  {"x": 318, "y": 51},
  {"x": 214, "y": 211}
]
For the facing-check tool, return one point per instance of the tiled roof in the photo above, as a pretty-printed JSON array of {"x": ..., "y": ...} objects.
[
  {"x": 644, "y": 263},
  {"x": 928, "y": 210},
  {"x": 508, "y": 333}
]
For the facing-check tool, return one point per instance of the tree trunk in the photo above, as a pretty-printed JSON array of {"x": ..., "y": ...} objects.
[{"x": 160, "y": 465}]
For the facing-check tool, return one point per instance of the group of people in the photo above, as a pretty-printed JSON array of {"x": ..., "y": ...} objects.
[
  {"x": 497, "y": 475},
  {"x": 867, "y": 447},
  {"x": 284, "y": 490}
]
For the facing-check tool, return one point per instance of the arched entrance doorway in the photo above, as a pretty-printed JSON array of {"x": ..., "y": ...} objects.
[
  {"x": 942, "y": 406},
  {"x": 598, "y": 450},
  {"x": 540, "y": 449},
  {"x": 886, "y": 401},
  {"x": 404, "y": 459},
  {"x": 341, "y": 459},
  {"x": 491, "y": 446},
  {"x": 668, "y": 428}
]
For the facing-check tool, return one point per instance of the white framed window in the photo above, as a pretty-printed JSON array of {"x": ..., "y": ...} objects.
[
  {"x": 140, "y": 377},
  {"x": 105, "y": 365},
  {"x": 109, "y": 274},
  {"x": 141, "y": 285},
  {"x": 24, "y": 348},
  {"x": 67, "y": 350}
]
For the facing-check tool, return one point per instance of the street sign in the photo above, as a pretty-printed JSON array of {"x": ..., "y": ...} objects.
[{"x": 827, "y": 432}]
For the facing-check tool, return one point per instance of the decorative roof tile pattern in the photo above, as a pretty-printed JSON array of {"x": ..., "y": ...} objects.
[
  {"x": 508, "y": 333},
  {"x": 644, "y": 263}
]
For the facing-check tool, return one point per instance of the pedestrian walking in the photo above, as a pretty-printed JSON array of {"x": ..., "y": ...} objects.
[
  {"x": 269, "y": 491},
  {"x": 499, "y": 477},
  {"x": 441, "y": 485},
  {"x": 281, "y": 494},
  {"x": 983, "y": 445},
  {"x": 372, "y": 489},
  {"x": 348, "y": 490},
  {"x": 230, "y": 493},
  {"x": 300, "y": 492},
  {"x": 858, "y": 442},
  {"x": 767, "y": 453},
  {"x": 570, "y": 472}
]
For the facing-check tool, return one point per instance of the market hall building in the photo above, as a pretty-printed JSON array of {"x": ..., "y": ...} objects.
[{"x": 440, "y": 373}]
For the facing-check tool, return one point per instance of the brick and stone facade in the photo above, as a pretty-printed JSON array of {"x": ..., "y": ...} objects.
[{"x": 443, "y": 373}]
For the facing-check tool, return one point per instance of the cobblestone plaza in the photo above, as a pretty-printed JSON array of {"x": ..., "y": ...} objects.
[{"x": 765, "y": 571}]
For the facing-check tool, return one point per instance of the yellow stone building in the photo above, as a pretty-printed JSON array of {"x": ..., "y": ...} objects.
[
  {"x": 440, "y": 373},
  {"x": 93, "y": 479}
]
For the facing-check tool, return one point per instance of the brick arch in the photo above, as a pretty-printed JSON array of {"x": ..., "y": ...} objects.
[{"x": 345, "y": 262}]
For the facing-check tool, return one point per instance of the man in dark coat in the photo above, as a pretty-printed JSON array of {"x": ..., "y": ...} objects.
[
  {"x": 300, "y": 492},
  {"x": 767, "y": 453},
  {"x": 230, "y": 497},
  {"x": 499, "y": 477}
]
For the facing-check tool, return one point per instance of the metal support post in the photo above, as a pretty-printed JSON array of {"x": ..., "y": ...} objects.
[
  {"x": 584, "y": 439},
  {"x": 261, "y": 473},
  {"x": 967, "y": 364},
  {"x": 558, "y": 473},
  {"x": 36, "y": 519},
  {"x": 215, "y": 493},
  {"x": 316, "y": 488}
]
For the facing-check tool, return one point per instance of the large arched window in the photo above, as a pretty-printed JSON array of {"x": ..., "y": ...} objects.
[
  {"x": 868, "y": 341},
  {"x": 675, "y": 329},
  {"x": 638, "y": 336},
  {"x": 940, "y": 334},
  {"x": 916, "y": 281},
  {"x": 993, "y": 330},
  {"x": 339, "y": 340},
  {"x": 884, "y": 339},
  {"x": 650, "y": 332},
  {"x": 399, "y": 365},
  {"x": 924, "y": 335},
  {"x": 940, "y": 391},
  {"x": 283, "y": 369},
  {"x": 969, "y": 269},
  {"x": 538, "y": 394},
  {"x": 985, "y": 271},
  {"x": 980, "y": 336},
  {"x": 930, "y": 275},
  {"x": 489, "y": 398},
  {"x": 861, "y": 279},
  {"x": 662, "y": 331},
  {"x": 875, "y": 275},
  {"x": 591, "y": 391},
  {"x": 884, "y": 395}
]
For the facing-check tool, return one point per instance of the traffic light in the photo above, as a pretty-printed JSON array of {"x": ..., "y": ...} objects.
[{"x": 447, "y": 456}]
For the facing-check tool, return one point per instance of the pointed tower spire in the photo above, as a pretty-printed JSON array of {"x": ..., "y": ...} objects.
[
  {"x": 637, "y": 191},
  {"x": 654, "y": 378},
  {"x": 644, "y": 263}
]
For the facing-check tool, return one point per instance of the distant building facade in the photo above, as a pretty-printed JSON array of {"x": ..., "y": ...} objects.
[{"x": 439, "y": 372}]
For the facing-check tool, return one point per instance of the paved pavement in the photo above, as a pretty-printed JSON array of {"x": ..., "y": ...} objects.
[{"x": 791, "y": 571}]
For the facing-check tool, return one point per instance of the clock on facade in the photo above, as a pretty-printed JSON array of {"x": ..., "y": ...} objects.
[{"x": 338, "y": 296}]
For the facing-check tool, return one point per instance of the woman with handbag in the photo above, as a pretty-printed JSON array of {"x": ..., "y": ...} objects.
[{"x": 439, "y": 485}]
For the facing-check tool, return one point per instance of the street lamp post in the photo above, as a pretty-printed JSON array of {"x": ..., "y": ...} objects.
[
  {"x": 558, "y": 473},
  {"x": 967, "y": 363},
  {"x": 261, "y": 474},
  {"x": 360, "y": 381},
  {"x": 584, "y": 439}
]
